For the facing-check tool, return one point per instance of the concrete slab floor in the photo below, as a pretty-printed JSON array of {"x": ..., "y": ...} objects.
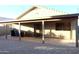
[{"x": 34, "y": 47}]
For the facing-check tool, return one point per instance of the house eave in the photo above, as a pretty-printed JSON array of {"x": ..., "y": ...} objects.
[{"x": 49, "y": 18}]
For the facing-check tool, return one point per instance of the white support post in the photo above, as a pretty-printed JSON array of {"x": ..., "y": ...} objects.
[
  {"x": 43, "y": 41},
  {"x": 5, "y": 31},
  {"x": 11, "y": 30},
  {"x": 77, "y": 32},
  {"x": 19, "y": 31}
]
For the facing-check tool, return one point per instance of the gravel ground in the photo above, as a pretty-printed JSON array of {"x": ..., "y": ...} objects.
[{"x": 30, "y": 47}]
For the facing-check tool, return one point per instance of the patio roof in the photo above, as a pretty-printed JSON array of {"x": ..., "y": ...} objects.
[{"x": 10, "y": 20}]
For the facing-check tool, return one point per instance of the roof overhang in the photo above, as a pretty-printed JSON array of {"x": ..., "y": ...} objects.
[{"x": 45, "y": 19}]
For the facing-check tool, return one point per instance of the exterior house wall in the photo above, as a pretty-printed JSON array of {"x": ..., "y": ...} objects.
[{"x": 52, "y": 29}]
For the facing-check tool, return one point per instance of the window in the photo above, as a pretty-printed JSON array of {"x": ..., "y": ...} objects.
[
  {"x": 63, "y": 26},
  {"x": 59, "y": 26}
]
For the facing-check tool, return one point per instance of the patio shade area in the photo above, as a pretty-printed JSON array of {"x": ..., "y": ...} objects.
[{"x": 58, "y": 28}]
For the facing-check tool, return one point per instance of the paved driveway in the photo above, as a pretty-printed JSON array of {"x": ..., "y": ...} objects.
[{"x": 30, "y": 47}]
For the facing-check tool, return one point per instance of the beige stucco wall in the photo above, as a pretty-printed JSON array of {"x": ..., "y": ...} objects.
[{"x": 64, "y": 33}]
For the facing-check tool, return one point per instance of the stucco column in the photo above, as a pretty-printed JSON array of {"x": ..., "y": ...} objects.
[
  {"x": 74, "y": 29},
  {"x": 77, "y": 32}
]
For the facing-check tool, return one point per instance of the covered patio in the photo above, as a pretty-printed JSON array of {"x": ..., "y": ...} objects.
[{"x": 57, "y": 29}]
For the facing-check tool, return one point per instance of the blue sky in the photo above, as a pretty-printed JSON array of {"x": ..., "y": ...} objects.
[{"x": 12, "y": 11}]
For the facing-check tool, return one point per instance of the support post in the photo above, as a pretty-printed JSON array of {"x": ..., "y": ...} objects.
[
  {"x": 19, "y": 31},
  {"x": 77, "y": 32},
  {"x": 10, "y": 31},
  {"x": 34, "y": 30},
  {"x": 43, "y": 41},
  {"x": 5, "y": 31}
]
